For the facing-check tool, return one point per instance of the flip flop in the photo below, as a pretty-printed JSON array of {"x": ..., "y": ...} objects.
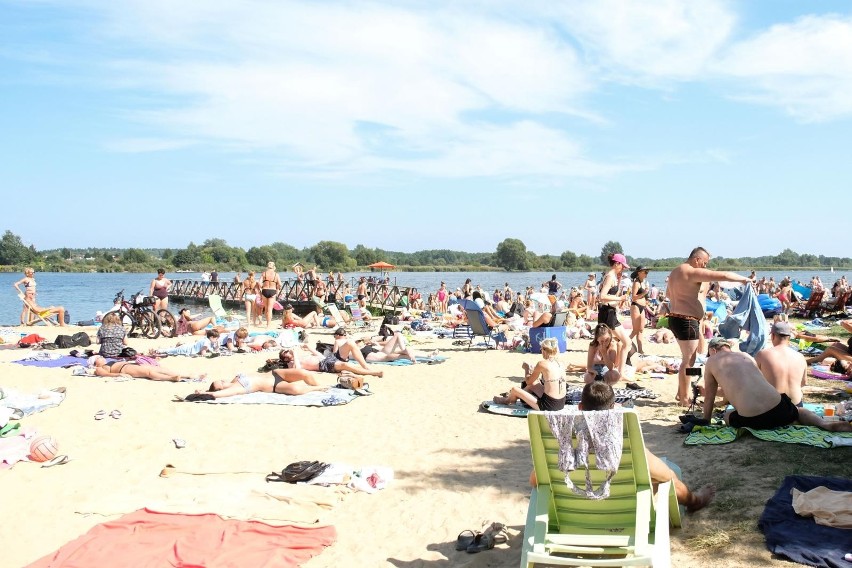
[
  {"x": 58, "y": 460},
  {"x": 100, "y": 414},
  {"x": 481, "y": 542},
  {"x": 465, "y": 539},
  {"x": 115, "y": 414},
  {"x": 179, "y": 443}
]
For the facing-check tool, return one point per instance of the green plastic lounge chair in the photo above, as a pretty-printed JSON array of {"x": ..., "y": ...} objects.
[
  {"x": 223, "y": 316},
  {"x": 334, "y": 312},
  {"x": 630, "y": 527}
]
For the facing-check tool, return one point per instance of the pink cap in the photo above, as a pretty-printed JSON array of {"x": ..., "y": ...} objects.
[{"x": 618, "y": 257}]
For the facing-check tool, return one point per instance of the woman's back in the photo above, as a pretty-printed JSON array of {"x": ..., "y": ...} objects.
[{"x": 553, "y": 377}]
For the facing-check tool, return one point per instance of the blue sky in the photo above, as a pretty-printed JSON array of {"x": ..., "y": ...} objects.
[{"x": 411, "y": 125}]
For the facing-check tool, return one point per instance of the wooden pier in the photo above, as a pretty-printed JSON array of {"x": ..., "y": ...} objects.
[{"x": 381, "y": 298}]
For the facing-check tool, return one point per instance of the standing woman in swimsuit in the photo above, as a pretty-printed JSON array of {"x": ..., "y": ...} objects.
[
  {"x": 160, "y": 290},
  {"x": 608, "y": 301},
  {"x": 638, "y": 304},
  {"x": 28, "y": 292},
  {"x": 544, "y": 385},
  {"x": 441, "y": 296},
  {"x": 270, "y": 285},
  {"x": 251, "y": 288}
]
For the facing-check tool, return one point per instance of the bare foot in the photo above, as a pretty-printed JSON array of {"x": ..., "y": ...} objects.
[
  {"x": 501, "y": 399},
  {"x": 839, "y": 426},
  {"x": 702, "y": 498}
]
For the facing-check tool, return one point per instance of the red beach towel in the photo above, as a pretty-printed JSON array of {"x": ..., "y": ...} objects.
[{"x": 145, "y": 538}]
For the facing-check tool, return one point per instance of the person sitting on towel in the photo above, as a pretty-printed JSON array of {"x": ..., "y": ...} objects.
[
  {"x": 544, "y": 384},
  {"x": 758, "y": 404},
  {"x": 784, "y": 368}
]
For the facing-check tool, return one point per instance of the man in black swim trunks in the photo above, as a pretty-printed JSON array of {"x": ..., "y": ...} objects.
[
  {"x": 757, "y": 403},
  {"x": 687, "y": 291}
]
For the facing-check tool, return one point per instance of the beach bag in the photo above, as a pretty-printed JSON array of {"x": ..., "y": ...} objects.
[
  {"x": 299, "y": 471},
  {"x": 128, "y": 352},
  {"x": 350, "y": 382},
  {"x": 80, "y": 339}
]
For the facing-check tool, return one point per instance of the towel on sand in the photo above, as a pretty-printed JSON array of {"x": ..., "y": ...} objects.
[
  {"x": 145, "y": 538},
  {"x": 794, "y": 434},
  {"x": 331, "y": 397},
  {"x": 799, "y": 538}
]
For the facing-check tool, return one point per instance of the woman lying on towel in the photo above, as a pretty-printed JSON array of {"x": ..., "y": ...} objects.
[
  {"x": 130, "y": 369},
  {"x": 276, "y": 383},
  {"x": 384, "y": 350}
]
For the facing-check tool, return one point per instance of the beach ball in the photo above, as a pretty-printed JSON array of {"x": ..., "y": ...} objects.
[{"x": 43, "y": 448}]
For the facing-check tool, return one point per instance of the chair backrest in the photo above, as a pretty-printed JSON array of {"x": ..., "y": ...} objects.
[
  {"x": 215, "y": 302},
  {"x": 570, "y": 513},
  {"x": 815, "y": 299},
  {"x": 559, "y": 319},
  {"x": 335, "y": 313}
]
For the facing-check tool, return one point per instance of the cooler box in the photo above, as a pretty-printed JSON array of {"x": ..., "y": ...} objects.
[{"x": 539, "y": 333}]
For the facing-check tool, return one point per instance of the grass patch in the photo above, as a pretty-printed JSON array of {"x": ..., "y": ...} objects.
[{"x": 714, "y": 540}]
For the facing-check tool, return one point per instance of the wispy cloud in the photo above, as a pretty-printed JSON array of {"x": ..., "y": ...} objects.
[
  {"x": 140, "y": 145},
  {"x": 803, "y": 68}
]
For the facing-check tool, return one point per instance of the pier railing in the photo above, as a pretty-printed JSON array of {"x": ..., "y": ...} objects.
[{"x": 381, "y": 298}]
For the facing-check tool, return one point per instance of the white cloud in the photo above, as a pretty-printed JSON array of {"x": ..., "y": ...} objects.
[
  {"x": 303, "y": 78},
  {"x": 140, "y": 145},
  {"x": 804, "y": 68},
  {"x": 649, "y": 41}
]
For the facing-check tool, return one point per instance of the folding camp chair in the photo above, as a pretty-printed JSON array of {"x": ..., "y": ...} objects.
[
  {"x": 629, "y": 527},
  {"x": 32, "y": 311},
  {"x": 223, "y": 316},
  {"x": 479, "y": 325}
]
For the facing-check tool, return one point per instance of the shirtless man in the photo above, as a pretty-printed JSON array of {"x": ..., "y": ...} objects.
[
  {"x": 784, "y": 368},
  {"x": 757, "y": 403},
  {"x": 361, "y": 292},
  {"x": 687, "y": 291}
]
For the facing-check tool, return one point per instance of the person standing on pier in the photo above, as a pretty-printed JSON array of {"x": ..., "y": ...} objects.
[{"x": 270, "y": 286}]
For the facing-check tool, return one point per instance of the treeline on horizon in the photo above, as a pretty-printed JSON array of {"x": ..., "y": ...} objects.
[{"x": 511, "y": 255}]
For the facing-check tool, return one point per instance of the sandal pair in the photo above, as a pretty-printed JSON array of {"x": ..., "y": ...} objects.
[{"x": 494, "y": 533}]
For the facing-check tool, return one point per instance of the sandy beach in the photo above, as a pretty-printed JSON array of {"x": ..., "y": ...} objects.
[{"x": 455, "y": 466}]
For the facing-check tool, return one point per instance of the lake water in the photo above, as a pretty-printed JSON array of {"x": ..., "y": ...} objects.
[{"x": 84, "y": 294}]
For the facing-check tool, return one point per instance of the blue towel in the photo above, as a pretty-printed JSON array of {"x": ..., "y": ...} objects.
[
  {"x": 747, "y": 316},
  {"x": 799, "y": 538}
]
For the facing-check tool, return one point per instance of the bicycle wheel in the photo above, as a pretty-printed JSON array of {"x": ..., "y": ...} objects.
[
  {"x": 149, "y": 325},
  {"x": 129, "y": 322},
  {"x": 168, "y": 325}
]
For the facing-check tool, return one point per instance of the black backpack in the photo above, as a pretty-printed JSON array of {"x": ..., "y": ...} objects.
[{"x": 79, "y": 339}]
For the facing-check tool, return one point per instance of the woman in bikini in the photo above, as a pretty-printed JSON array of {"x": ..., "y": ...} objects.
[
  {"x": 608, "y": 301},
  {"x": 27, "y": 294},
  {"x": 102, "y": 368},
  {"x": 638, "y": 305},
  {"x": 251, "y": 288},
  {"x": 290, "y": 320},
  {"x": 160, "y": 287},
  {"x": 605, "y": 350},
  {"x": 275, "y": 383},
  {"x": 270, "y": 285},
  {"x": 544, "y": 385}
]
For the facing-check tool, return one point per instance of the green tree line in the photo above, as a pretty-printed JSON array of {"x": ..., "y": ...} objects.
[{"x": 510, "y": 254}]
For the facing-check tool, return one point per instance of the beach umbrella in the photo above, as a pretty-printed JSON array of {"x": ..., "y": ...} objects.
[{"x": 382, "y": 265}]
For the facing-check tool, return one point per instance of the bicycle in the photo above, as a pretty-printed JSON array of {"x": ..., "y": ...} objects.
[{"x": 138, "y": 313}]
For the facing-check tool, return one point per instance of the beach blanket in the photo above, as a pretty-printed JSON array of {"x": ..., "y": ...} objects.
[
  {"x": 45, "y": 359},
  {"x": 30, "y": 403},
  {"x": 406, "y": 362},
  {"x": 572, "y": 397},
  {"x": 331, "y": 397},
  {"x": 800, "y": 538},
  {"x": 146, "y": 538},
  {"x": 794, "y": 434},
  {"x": 16, "y": 448}
]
